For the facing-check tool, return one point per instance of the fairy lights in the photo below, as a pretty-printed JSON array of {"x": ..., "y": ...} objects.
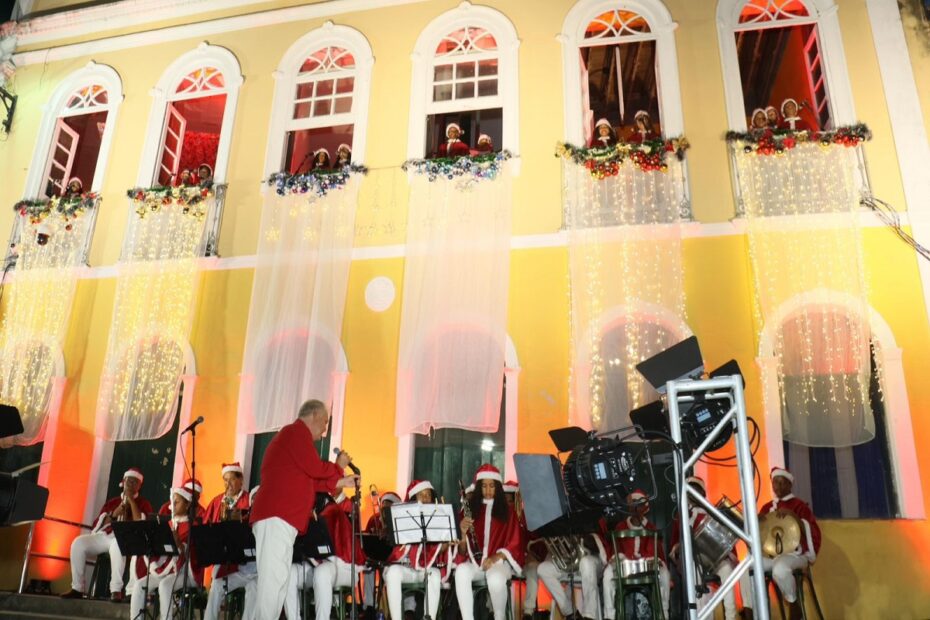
[
  {"x": 804, "y": 240},
  {"x": 40, "y": 296},
  {"x": 626, "y": 289},
  {"x": 155, "y": 295}
]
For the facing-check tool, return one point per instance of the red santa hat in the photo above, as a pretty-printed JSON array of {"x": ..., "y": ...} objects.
[
  {"x": 392, "y": 497},
  {"x": 784, "y": 473},
  {"x": 132, "y": 472},
  {"x": 602, "y": 121},
  {"x": 81, "y": 183},
  {"x": 453, "y": 126},
  {"x": 785, "y": 102},
  {"x": 232, "y": 468},
  {"x": 698, "y": 482},
  {"x": 183, "y": 492},
  {"x": 488, "y": 472},
  {"x": 484, "y": 136},
  {"x": 771, "y": 107},
  {"x": 321, "y": 150},
  {"x": 192, "y": 484},
  {"x": 636, "y": 496},
  {"x": 344, "y": 146},
  {"x": 511, "y": 486},
  {"x": 640, "y": 114},
  {"x": 755, "y": 112},
  {"x": 416, "y": 486},
  {"x": 207, "y": 166}
]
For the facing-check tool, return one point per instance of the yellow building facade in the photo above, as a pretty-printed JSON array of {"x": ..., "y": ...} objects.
[{"x": 866, "y": 569}]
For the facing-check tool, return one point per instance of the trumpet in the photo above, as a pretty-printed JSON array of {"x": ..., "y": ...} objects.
[
  {"x": 229, "y": 509},
  {"x": 470, "y": 535},
  {"x": 127, "y": 511}
]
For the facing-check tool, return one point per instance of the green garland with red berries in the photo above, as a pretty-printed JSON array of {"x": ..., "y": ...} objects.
[
  {"x": 768, "y": 142},
  {"x": 68, "y": 207},
  {"x": 648, "y": 156}
]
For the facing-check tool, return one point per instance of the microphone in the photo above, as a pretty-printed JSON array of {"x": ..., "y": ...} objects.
[
  {"x": 191, "y": 428},
  {"x": 355, "y": 470}
]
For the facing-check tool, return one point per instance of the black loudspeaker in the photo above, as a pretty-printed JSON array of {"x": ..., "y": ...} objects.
[
  {"x": 10, "y": 421},
  {"x": 544, "y": 497},
  {"x": 21, "y": 501}
]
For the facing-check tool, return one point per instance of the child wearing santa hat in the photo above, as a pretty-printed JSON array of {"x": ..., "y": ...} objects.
[{"x": 453, "y": 146}]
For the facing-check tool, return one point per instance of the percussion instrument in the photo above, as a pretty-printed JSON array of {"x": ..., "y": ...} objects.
[
  {"x": 629, "y": 567},
  {"x": 780, "y": 532},
  {"x": 713, "y": 541}
]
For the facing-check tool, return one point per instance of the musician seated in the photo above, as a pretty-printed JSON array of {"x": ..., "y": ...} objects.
[
  {"x": 784, "y": 564},
  {"x": 375, "y": 527},
  {"x": 129, "y": 506},
  {"x": 412, "y": 563},
  {"x": 230, "y": 505},
  {"x": 165, "y": 572},
  {"x": 634, "y": 548},
  {"x": 493, "y": 551},
  {"x": 726, "y": 566},
  {"x": 588, "y": 573},
  {"x": 194, "y": 488}
]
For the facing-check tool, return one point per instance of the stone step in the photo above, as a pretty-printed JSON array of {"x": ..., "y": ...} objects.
[{"x": 21, "y": 606}]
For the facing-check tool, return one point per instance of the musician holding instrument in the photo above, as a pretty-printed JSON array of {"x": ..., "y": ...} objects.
[
  {"x": 635, "y": 548},
  {"x": 128, "y": 506},
  {"x": 336, "y": 570},
  {"x": 492, "y": 549},
  {"x": 584, "y": 556},
  {"x": 415, "y": 564},
  {"x": 785, "y": 553},
  {"x": 230, "y": 505},
  {"x": 375, "y": 527},
  {"x": 291, "y": 474}
]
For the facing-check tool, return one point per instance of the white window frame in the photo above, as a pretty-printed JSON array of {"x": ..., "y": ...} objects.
[
  {"x": 328, "y": 35},
  {"x": 902, "y": 451},
  {"x": 662, "y": 31},
  {"x": 54, "y": 108},
  {"x": 821, "y": 13},
  {"x": 406, "y": 444},
  {"x": 205, "y": 55},
  {"x": 424, "y": 57}
]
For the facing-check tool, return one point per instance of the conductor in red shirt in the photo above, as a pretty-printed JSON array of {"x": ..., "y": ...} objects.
[{"x": 292, "y": 474}]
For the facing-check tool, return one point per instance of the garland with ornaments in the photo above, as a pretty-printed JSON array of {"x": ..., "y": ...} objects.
[
  {"x": 468, "y": 169},
  {"x": 68, "y": 207},
  {"x": 317, "y": 182},
  {"x": 768, "y": 142},
  {"x": 648, "y": 156},
  {"x": 190, "y": 198}
]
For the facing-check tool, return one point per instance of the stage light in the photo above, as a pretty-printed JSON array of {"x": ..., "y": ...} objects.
[{"x": 487, "y": 445}]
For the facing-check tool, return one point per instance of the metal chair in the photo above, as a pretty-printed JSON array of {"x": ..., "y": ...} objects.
[
  {"x": 801, "y": 576},
  {"x": 646, "y": 580}
]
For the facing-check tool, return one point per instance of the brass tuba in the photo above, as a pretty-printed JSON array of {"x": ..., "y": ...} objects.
[{"x": 566, "y": 552}]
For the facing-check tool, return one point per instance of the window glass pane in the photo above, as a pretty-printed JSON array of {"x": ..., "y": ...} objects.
[
  {"x": 324, "y": 88},
  {"x": 487, "y": 67},
  {"x": 465, "y": 90},
  {"x": 443, "y": 92},
  {"x": 442, "y": 73},
  {"x": 302, "y": 143},
  {"x": 302, "y": 110},
  {"x": 757, "y": 11},
  {"x": 487, "y": 88},
  {"x": 464, "y": 70},
  {"x": 345, "y": 85},
  {"x": 616, "y": 23},
  {"x": 321, "y": 108},
  {"x": 304, "y": 91},
  {"x": 343, "y": 105}
]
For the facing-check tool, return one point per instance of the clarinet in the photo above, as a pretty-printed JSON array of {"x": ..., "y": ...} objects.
[{"x": 470, "y": 534}]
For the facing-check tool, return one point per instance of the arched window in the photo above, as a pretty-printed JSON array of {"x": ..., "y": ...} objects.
[
  {"x": 321, "y": 99},
  {"x": 619, "y": 59},
  {"x": 774, "y": 51},
  {"x": 465, "y": 72},
  {"x": 76, "y": 132},
  {"x": 191, "y": 119}
]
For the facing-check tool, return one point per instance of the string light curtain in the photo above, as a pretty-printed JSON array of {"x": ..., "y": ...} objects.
[
  {"x": 156, "y": 290},
  {"x": 38, "y": 307},
  {"x": 453, "y": 330},
  {"x": 804, "y": 239},
  {"x": 626, "y": 282},
  {"x": 298, "y": 298}
]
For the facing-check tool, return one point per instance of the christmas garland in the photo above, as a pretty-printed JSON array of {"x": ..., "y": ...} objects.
[
  {"x": 317, "y": 182},
  {"x": 468, "y": 168},
  {"x": 68, "y": 207},
  {"x": 767, "y": 142},
  {"x": 648, "y": 156},
  {"x": 190, "y": 198}
]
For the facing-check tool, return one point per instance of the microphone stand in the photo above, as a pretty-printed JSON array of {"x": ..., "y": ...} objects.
[
  {"x": 191, "y": 512},
  {"x": 356, "y": 538}
]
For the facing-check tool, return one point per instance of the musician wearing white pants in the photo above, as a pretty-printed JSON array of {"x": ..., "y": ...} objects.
[
  {"x": 496, "y": 578},
  {"x": 396, "y": 575},
  {"x": 530, "y": 594},
  {"x": 782, "y": 569},
  {"x": 589, "y": 572},
  {"x": 610, "y": 589},
  {"x": 246, "y": 577},
  {"x": 274, "y": 545},
  {"x": 331, "y": 573},
  {"x": 92, "y": 545}
]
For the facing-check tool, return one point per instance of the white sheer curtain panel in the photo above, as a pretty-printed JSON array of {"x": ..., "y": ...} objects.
[
  {"x": 156, "y": 292},
  {"x": 626, "y": 280},
  {"x": 38, "y": 300},
  {"x": 293, "y": 349},
  {"x": 806, "y": 251},
  {"x": 453, "y": 330}
]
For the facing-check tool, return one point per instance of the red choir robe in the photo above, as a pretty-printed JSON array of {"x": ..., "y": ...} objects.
[
  {"x": 638, "y": 547},
  {"x": 339, "y": 527},
  {"x": 112, "y": 504},
  {"x": 638, "y": 137},
  {"x": 214, "y": 514},
  {"x": 810, "y": 536},
  {"x": 502, "y": 537},
  {"x": 453, "y": 148},
  {"x": 375, "y": 525},
  {"x": 602, "y": 142}
]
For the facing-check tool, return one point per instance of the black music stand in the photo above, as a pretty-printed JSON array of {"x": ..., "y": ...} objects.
[
  {"x": 150, "y": 538},
  {"x": 227, "y": 542},
  {"x": 415, "y": 523},
  {"x": 315, "y": 544}
]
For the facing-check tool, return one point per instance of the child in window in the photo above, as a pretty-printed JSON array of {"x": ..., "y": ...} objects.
[
  {"x": 205, "y": 175},
  {"x": 343, "y": 155},
  {"x": 185, "y": 179},
  {"x": 74, "y": 188},
  {"x": 643, "y": 129},
  {"x": 759, "y": 123},
  {"x": 453, "y": 146},
  {"x": 485, "y": 145},
  {"x": 771, "y": 116},
  {"x": 321, "y": 161},
  {"x": 791, "y": 118},
  {"x": 604, "y": 135}
]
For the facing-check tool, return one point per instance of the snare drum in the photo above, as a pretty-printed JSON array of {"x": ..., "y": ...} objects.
[
  {"x": 713, "y": 541},
  {"x": 630, "y": 568}
]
